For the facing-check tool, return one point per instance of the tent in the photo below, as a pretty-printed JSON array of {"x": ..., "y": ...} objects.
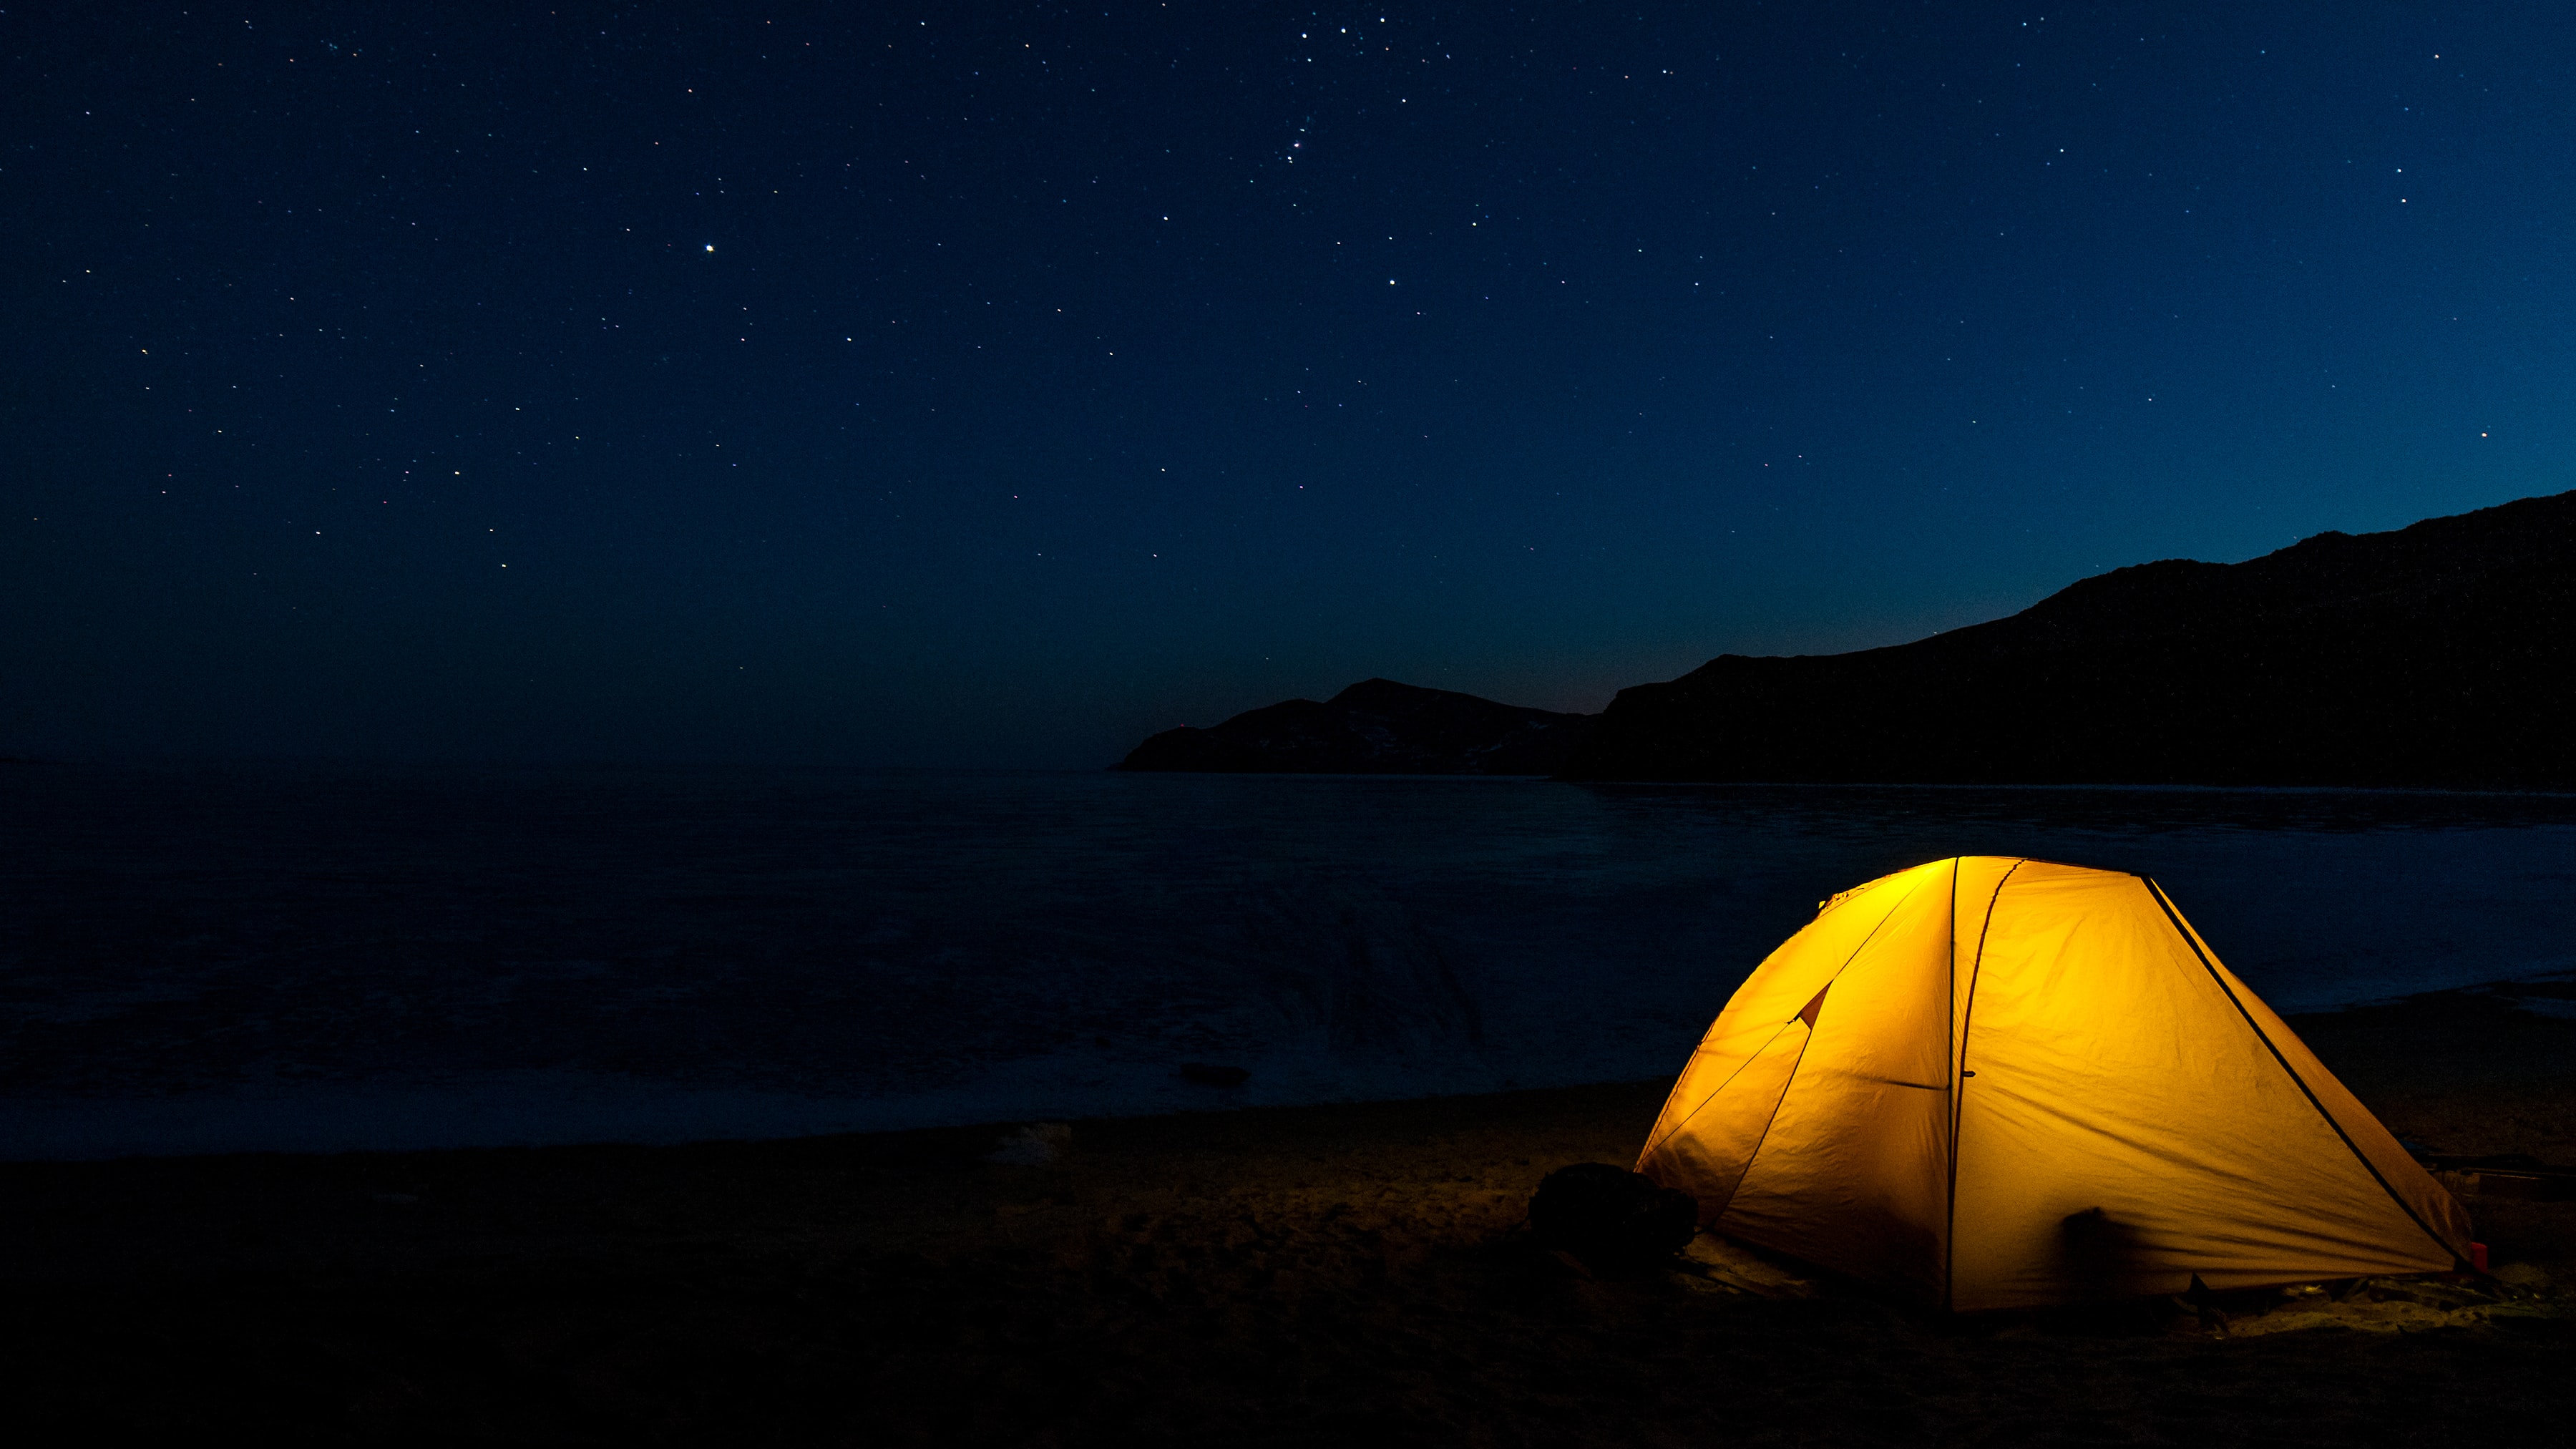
[{"x": 1994, "y": 1083}]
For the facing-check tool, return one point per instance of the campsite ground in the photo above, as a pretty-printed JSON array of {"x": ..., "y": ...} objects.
[{"x": 1307, "y": 1275}]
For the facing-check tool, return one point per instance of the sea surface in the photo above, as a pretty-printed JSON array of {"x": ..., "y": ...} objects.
[{"x": 214, "y": 959}]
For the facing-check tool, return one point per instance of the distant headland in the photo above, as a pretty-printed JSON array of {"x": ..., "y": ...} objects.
[
  {"x": 1375, "y": 727},
  {"x": 2437, "y": 655}
]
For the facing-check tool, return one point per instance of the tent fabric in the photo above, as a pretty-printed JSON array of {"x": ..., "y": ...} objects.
[{"x": 1993, "y": 1083}]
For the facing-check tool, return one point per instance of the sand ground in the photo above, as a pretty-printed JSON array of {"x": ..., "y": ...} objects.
[{"x": 1288, "y": 1276}]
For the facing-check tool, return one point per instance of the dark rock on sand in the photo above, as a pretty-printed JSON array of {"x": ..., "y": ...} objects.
[
  {"x": 1375, "y": 727},
  {"x": 1610, "y": 1217},
  {"x": 2443, "y": 654}
]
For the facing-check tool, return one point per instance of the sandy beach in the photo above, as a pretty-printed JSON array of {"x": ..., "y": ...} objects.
[{"x": 1293, "y": 1276}]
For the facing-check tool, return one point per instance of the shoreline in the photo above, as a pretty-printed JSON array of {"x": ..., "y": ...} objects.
[
  {"x": 1265, "y": 1274},
  {"x": 2384, "y": 1040}
]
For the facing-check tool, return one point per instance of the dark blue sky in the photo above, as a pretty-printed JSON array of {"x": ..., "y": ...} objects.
[{"x": 976, "y": 384}]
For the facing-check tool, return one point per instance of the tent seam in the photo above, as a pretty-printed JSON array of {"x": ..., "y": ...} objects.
[
  {"x": 2191, "y": 940},
  {"x": 1958, "y": 1099},
  {"x": 1755, "y": 1155},
  {"x": 1775, "y": 1036},
  {"x": 1715, "y": 1091},
  {"x": 1950, "y": 1048}
]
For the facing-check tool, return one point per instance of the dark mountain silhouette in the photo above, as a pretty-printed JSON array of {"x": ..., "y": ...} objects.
[
  {"x": 1376, "y": 726},
  {"x": 2443, "y": 654}
]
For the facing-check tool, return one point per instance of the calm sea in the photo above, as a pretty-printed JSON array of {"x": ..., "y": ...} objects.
[{"x": 220, "y": 959}]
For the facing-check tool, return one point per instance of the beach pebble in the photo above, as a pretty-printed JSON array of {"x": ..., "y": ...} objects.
[{"x": 1035, "y": 1145}]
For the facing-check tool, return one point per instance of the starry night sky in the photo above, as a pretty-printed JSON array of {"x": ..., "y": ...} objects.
[{"x": 980, "y": 385}]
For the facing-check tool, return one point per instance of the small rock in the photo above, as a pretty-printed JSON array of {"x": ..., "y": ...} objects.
[
  {"x": 2523, "y": 1275},
  {"x": 1035, "y": 1145}
]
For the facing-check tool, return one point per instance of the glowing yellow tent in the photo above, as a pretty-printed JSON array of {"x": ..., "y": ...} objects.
[{"x": 1996, "y": 1083}]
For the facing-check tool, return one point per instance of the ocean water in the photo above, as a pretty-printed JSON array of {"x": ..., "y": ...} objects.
[{"x": 213, "y": 959}]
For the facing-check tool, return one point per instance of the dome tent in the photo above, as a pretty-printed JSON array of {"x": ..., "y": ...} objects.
[{"x": 1993, "y": 1083}]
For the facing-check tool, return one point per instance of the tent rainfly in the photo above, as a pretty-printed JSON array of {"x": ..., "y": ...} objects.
[{"x": 1992, "y": 1083}]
